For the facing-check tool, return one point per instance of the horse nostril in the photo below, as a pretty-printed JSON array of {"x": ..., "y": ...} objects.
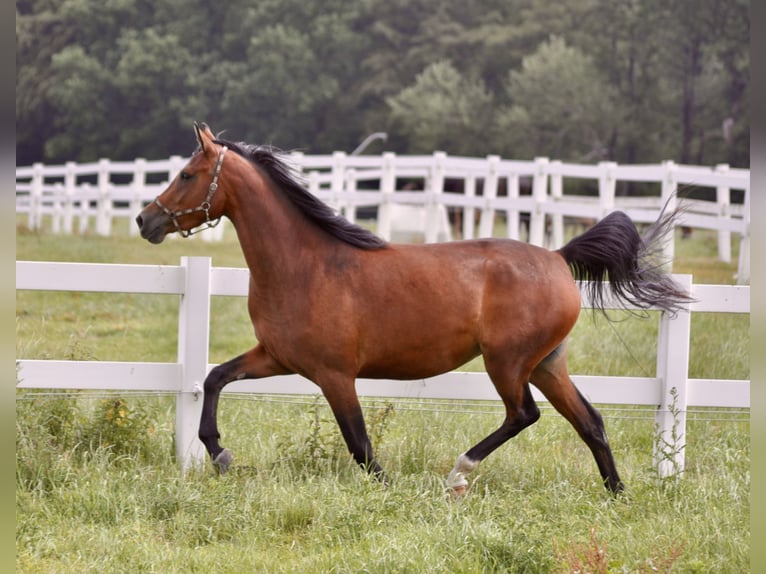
[{"x": 140, "y": 221}]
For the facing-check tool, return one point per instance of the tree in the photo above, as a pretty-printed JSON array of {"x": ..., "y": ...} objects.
[
  {"x": 273, "y": 95},
  {"x": 634, "y": 81},
  {"x": 561, "y": 106},
  {"x": 445, "y": 111}
]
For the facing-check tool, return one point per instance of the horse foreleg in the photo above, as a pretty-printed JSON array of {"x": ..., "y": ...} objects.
[
  {"x": 254, "y": 364},
  {"x": 519, "y": 415},
  {"x": 342, "y": 398}
]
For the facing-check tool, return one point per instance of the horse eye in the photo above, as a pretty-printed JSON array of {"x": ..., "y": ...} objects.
[{"x": 185, "y": 175}]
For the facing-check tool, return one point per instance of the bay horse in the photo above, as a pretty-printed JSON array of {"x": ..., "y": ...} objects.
[{"x": 331, "y": 301}]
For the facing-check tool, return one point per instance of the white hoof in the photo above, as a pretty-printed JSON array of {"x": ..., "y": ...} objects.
[{"x": 457, "y": 485}]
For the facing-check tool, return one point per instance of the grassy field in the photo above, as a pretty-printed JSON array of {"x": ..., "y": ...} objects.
[{"x": 97, "y": 488}]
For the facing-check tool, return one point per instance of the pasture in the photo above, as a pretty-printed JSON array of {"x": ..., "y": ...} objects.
[{"x": 97, "y": 488}]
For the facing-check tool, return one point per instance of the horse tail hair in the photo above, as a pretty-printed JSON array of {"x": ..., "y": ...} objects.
[{"x": 612, "y": 255}]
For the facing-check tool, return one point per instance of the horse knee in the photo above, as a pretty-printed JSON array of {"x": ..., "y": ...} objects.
[{"x": 216, "y": 379}]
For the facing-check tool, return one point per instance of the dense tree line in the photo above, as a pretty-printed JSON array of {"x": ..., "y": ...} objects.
[{"x": 632, "y": 81}]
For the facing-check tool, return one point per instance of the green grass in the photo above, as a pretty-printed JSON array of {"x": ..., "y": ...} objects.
[{"x": 98, "y": 489}]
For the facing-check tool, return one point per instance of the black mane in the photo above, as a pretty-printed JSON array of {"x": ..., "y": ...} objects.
[{"x": 269, "y": 159}]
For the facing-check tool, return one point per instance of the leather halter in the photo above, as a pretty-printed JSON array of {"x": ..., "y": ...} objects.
[{"x": 204, "y": 206}]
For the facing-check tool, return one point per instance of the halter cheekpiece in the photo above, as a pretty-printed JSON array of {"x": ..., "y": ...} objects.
[{"x": 204, "y": 206}]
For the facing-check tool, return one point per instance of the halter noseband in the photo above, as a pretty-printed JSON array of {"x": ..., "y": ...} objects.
[{"x": 204, "y": 206}]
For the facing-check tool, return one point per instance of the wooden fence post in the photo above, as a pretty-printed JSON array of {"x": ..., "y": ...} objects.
[
  {"x": 138, "y": 184},
  {"x": 433, "y": 193},
  {"x": 35, "y": 216},
  {"x": 539, "y": 194},
  {"x": 350, "y": 191},
  {"x": 469, "y": 212},
  {"x": 673, "y": 373},
  {"x": 670, "y": 198},
  {"x": 57, "y": 207},
  {"x": 83, "y": 215},
  {"x": 193, "y": 350},
  {"x": 743, "y": 265},
  {"x": 70, "y": 185},
  {"x": 557, "y": 192},
  {"x": 337, "y": 181},
  {"x": 607, "y": 187},
  {"x": 104, "y": 202},
  {"x": 723, "y": 199},
  {"x": 487, "y": 221},
  {"x": 512, "y": 214},
  {"x": 387, "y": 188}
]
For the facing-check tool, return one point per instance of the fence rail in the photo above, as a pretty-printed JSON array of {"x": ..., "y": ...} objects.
[
  {"x": 531, "y": 195},
  {"x": 196, "y": 281}
]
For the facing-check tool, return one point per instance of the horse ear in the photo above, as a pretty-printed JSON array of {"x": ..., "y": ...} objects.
[
  {"x": 198, "y": 133},
  {"x": 204, "y": 136}
]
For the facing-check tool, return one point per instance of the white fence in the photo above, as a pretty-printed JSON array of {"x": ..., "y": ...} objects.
[
  {"x": 532, "y": 195},
  {"x": 197, "y": 281}
]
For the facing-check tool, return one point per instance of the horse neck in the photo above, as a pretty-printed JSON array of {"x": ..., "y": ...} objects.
[{"x": 274, "y": 235}]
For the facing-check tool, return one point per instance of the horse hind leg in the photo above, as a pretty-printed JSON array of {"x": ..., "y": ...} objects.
[
  {"x": 552, "y": 378},
  {"x": 521, "y": 412}
]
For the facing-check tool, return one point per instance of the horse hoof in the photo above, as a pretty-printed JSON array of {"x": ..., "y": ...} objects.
[
  {"x": 457, "y": 485},
  {"x": 458, "y": 492},
  {"x": 223, "y": 460}
]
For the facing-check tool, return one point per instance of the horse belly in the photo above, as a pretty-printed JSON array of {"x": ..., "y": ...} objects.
[{"x": 418, "y": 345}]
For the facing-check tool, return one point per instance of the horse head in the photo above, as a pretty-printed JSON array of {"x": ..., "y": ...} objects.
[{"x": 190, "y": 203}]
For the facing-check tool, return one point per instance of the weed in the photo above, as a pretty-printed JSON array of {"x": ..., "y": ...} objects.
[
  {"x": 593, "y": 558},
  {"x": 120, "y": 427},
  {"x": 323, "y": 444},
  {"x": 667, "y": 450}
]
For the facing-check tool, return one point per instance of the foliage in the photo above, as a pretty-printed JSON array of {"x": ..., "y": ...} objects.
[
  {"x": 120, "y": 427},
  {"x": 532, "y": 508},
  {"x": 633, "y": 82},
  {"x": 561, "y": 106},
  {"x": 439, "y": 105}
]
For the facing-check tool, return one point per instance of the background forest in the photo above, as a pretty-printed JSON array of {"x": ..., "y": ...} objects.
[{"x": 633, "y": 81}]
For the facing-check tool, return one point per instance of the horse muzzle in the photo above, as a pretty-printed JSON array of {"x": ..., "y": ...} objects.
[{"x": 153, "y": 226}]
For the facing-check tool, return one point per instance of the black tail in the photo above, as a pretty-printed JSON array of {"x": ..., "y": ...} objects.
[{"x": 613, "y": 251}]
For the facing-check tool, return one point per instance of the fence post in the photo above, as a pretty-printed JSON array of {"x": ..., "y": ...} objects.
[
  {"x": 83, "y": 215},
  {"x": 487, "y": 221},
  {"x": 743, "y": 266},
  {"x": 723, "y": 199},
  {"x": 539, "y": 194},
  {"x": 337, "y": 179},
  {"x": 139, "y": 183},
  {"x": 350, "y": 192},
  {"x": 35, "y": 217},
  {"x": 512, "y": 215},
  {"x": 193, "y": 339},
  {"x": 669, "y": 198},
  {"x": 70, "y": 188},
  {"x": 469, "y": 212},
  {"x": 104, "y": 203},
  {"x": 607, "y": 187},
  {"x": 434, "y": 190},
  {"x": 57, "y": 207},
  {"x": 387, "y": 187},
  {"x": 557, "y": 192},
  {"x": 673, "y": 374}
]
